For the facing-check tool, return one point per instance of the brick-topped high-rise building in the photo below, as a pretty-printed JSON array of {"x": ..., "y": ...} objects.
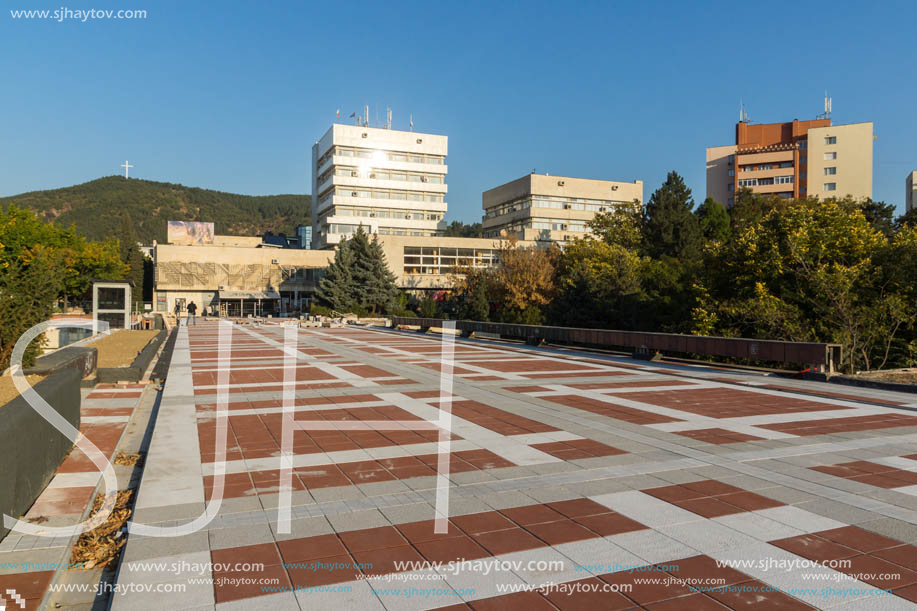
[{"x": 793, "y": 159}]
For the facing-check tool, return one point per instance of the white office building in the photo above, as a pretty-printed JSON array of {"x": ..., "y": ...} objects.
[{"x": 391, "y": 182}]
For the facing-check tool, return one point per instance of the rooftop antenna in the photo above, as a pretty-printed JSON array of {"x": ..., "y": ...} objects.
[
  {"x": 412, "y": 121},
  {"x": 388, "y": 118},
  {"x": 743, "y": 115},
  {"x": 827, "y": 113},
  {"x": 366, "y": 116}
]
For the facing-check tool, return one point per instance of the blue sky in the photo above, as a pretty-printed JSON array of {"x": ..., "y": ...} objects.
[{"x": 232, "y": 95}]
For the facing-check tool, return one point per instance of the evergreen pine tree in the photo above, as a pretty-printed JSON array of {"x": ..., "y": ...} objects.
[
  {"x": 669, "y": 227},
  {"x": 373, "y": 282},
  {"x": 381, "y": 290},
  {"x": 478, "y": 308},
  {"x": 336, "y": 288}
]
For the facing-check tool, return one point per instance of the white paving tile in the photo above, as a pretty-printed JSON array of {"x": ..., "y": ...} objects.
[{"x": 646, "y": 509}]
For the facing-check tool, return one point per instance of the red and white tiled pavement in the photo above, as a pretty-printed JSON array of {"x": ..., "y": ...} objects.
[
  {"x": 597, "y": 463},
  {"x": 104, "y": 415}
]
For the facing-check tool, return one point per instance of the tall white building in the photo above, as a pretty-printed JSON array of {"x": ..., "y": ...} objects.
[
  {"x": 910, "y": 192},
  {"x": 391, "y": 182}
]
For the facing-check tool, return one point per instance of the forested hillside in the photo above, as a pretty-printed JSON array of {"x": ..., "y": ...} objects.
[{"x": 96, "y": 208}]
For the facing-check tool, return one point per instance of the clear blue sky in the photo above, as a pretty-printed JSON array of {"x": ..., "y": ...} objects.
[{"x": 231, "y": 96}]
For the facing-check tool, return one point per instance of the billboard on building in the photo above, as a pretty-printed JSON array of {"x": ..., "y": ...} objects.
[{"x": 189, "y": 232}]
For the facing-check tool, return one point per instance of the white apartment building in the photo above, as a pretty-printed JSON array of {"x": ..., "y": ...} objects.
[
  {"x": 549, "y": 208},
  {"x": 391, "y": 182},
  {"x": 910, "y": 192}
]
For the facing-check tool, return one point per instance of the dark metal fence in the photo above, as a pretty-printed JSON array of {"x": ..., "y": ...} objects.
[{"x": 824, "y": 357}]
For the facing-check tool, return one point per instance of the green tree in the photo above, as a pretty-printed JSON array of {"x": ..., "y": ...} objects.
[
  {"x": 669, "y": 227},
  {"x": 622, "y": 225},
  {"x": 373, "y": 282},
  {"x": 336, "y": 288},
  {"x": 27, "y": 295},
  {"x": 713, "y": 220},
  {"x": 133, "y": 257},
  {"x": 597, "y": 284},
  {"x": 23, "y": 235},
  {"x": 879, "y": 214},
  {"x": 458, "y": 229}
]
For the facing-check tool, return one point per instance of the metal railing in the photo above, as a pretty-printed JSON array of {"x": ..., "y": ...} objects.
[{"x": 823, "y": 357}]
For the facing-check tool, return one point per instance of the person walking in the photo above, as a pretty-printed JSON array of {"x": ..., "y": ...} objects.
[
  {"x": 177, "y": 313},
  {"x": 192, "y": 312}
]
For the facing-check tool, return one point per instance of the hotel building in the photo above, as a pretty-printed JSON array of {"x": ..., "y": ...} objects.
[
  {"x": 552, "y": 208},
  {"x": 391, "y": 182},
  {"x": 793, "y": 159}
]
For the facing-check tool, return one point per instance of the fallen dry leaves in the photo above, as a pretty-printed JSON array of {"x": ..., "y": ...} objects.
[{"x": 102, "y": 545}]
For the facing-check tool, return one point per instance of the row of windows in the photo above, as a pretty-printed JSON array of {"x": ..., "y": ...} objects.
[
  {"x": 379, "y": 155},
  {"x": 385, "y": 213},
  {"x": 413, "y": 196},
  {"x": 377, "y": 174},
  {"x": 766, "y": 166},
  {"x": 543, "y": 224},
  {"x": 437, "y": 260},
  {"x": 776, "y": 180},
  {"x": 347, "y": 229},
  {"x": 391, "y": 194},
  {"x": 557, "y": 203},
  {"x": 403, "y": 231}
]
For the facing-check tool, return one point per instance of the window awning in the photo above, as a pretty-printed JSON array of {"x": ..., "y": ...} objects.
[{"x": 249, "y": 295}]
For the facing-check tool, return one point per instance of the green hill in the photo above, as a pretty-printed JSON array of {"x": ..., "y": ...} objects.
[{"x": 95, "y": 207}]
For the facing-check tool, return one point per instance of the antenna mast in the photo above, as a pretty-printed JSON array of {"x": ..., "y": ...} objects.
[{"x": 827, "y": 113}]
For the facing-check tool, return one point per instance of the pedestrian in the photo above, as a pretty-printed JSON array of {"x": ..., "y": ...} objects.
[
  {"x": 177, "y": 313},
  {"x": 192, "y": 311}
]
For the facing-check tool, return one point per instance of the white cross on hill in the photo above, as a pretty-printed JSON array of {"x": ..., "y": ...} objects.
[{"x": 126, "y": 167}]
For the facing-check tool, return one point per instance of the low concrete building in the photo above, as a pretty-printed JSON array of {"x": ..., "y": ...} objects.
[
  {"x": 235, "y": 276},
  {"x": 238, "y": 276},
  {"x": 545, "y": 208}
]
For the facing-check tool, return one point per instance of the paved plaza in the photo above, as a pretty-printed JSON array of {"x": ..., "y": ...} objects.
[{"x": 571, "y": 468}]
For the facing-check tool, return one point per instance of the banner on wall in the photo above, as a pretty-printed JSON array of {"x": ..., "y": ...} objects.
[{"x": 189, "y": 232}]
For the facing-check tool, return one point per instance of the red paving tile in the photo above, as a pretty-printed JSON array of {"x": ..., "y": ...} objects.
[
  {"x": 710, "y": 498},
  {"x": 618, "y": 412},
  {"x": 507, "y": 541},
  {"x": 718, "y": 436},
  {"x": 636, "y": 384},
  {"x": 496, "y": 419},
  {"x": 326, "y": 571},
  {"x": 834, "y": 395},
  {"x": 756, "y": 595},
  {"x": 588, "y": 595},
  {"x": 361, "y": 472},
  {"x": 451, "y": 550},
  {"x": 729, "y": 402},
  {"x": 30, "y": 586},
  {"x": 828, "y": 426},
  {"x": 238, "y": 585},
  {"x": 870, "y": 473},
  {"x": 577, "y": 448}
]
